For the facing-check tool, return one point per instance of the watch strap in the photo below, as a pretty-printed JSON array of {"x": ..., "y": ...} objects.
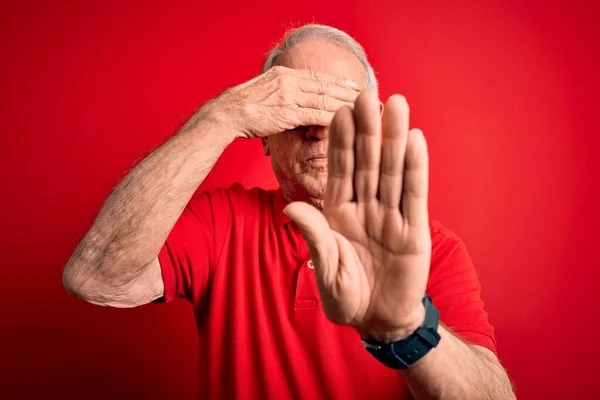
[{"x": 403, "y": 353}]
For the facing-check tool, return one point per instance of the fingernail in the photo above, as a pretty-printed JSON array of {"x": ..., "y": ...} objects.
[{"x": 352, "y": 84}]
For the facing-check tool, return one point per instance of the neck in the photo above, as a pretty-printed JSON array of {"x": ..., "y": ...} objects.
[{"x": 290, "y": 195}]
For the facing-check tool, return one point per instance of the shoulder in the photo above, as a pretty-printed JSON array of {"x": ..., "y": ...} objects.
[
  {"x": 447, "y": 249},
  {"x": 442, "y": 237},
  {"x": 450, "y": 260}
]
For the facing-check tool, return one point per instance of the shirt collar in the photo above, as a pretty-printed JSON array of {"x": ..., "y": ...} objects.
[{"x": 279, "y": 203}]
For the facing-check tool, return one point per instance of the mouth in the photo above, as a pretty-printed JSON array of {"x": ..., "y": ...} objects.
[{"x": 317, "y": 157}]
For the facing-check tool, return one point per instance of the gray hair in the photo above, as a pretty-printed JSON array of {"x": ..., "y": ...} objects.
[{"x": 296, "y": 36}]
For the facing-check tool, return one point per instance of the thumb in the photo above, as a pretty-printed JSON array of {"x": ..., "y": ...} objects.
[
  {"x": 312, "y": 222},
  {"x": 318, "y": 235}
]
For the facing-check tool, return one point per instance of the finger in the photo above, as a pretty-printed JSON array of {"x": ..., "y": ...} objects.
[
  {"x": 395, "y": 135},
  {"x": 367, "y": 146},
  {"x": 317, "y": 75},
  {"x": 319, "y": 238},
  {"x": 343, "y": 93},
  {"x": 416, "y": 180},
  {"x": 340, "y": 159},
  {"x": 321, "y": 101},
  {"x": 313, "y": 117}
]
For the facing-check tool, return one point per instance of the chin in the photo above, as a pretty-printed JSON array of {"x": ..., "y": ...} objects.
[
  {"x": 311, "y": 189},
  {"x": 318, "y": 203},
  {"x": 316, "y": 196},
  {"x": 314, "y": 186}
]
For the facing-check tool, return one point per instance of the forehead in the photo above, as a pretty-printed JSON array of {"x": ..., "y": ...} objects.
[{"x": 324, "y": 55}]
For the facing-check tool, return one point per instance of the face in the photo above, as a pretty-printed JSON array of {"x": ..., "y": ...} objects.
[{"x": 299, "y": 157}]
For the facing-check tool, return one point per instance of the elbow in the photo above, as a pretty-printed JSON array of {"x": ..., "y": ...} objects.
[
  {"x": 70, "y": 282},
  {"x": 79, "y": 269},
  {"x": 83, "y": 288},
  {"x": 84, "y": 275},
  {"x": 80, "y": 278},
  {"x": 92, "y": 285}
]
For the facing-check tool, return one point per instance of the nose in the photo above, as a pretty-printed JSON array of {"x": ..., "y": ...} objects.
[{"x": 317, "y": 132}]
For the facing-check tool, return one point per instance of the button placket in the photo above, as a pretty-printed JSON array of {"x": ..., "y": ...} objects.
[{"x": 306, "y": 288}]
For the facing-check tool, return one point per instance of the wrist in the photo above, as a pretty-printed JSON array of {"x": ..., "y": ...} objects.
[
  {"x": 405, "y": 351},
  {"x": 203, "y": 133},
  {"x": 414, "y": 321},
  {"x": 211, "y": 121},
  {"x": 228, "y": 113}
]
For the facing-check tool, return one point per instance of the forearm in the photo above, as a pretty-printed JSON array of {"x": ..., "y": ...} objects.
[
  {"x": 457, "y": 370},
  {"x": 137, "y": 217}
]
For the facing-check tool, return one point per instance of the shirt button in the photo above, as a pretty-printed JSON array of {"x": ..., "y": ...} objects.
[{"x": 310, "y": 264}]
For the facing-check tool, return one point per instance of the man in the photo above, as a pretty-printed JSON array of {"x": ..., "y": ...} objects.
[{"x": 318, "y": 289}]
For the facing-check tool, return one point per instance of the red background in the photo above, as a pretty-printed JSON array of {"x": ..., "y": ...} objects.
[{"x": 506, "y": 93}]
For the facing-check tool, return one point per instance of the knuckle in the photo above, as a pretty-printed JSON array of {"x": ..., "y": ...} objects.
[
  {"x": 284, "y": 96},
  {"x": 320, "y": 87},
  {"x": 280, "y": 81},
  {"x": 331, "y": 103},
  {"x": 276, "y": 98},
  {"x": 317, "y": 116},
  {"x": 277, "y": 70},
  {"x": 292, "y": 120},
  {"x": 323, "y": 103}
]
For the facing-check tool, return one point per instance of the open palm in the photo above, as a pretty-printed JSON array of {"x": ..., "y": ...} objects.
[{"x": 371, "y": 243}]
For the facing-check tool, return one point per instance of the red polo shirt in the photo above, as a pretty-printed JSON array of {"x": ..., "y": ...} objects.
[{"x": 246, "y": 269}]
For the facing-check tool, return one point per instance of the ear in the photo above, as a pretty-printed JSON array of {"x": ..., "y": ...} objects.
[{"x": 265, "y": 143}]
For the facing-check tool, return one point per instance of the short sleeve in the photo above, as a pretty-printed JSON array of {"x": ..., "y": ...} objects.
[
  {"x": 455, "y": 291},
  {"x": 193, "y": 246}
]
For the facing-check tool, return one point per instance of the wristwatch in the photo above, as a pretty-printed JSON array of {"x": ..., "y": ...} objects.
[{"x": 404, "y": 353}]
